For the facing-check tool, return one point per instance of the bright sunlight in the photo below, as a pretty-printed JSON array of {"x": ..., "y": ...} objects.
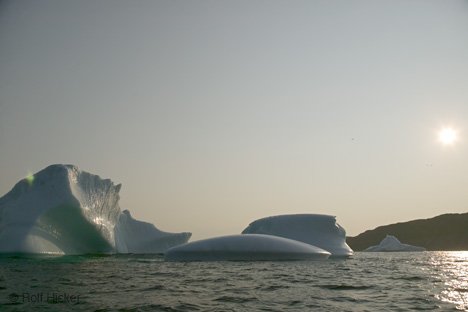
[{"x": 448, "y": 136}]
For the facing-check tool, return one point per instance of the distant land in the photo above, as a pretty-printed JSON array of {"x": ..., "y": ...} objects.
[{"x": 444, "y": 232}]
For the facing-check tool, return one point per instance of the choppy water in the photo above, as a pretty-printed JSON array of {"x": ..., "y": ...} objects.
[{"x": 366, "y": 282}]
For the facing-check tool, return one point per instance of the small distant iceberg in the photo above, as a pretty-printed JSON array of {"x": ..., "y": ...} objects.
[
  {"x": 249, "y": 247},
  {"x": 315, "y": 229},
  {"x": 64, "y": 210},
  {"x": 391, "y": 243}
]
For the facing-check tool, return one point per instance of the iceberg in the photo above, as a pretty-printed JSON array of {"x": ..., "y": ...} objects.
[
  {"x": 391, "y": 243},
  {"x": 315, "y": 229},
  {"x": 250, "y": 247},
  {"x": 63, "y": 210},
  {"x": 133, "y": 236}
]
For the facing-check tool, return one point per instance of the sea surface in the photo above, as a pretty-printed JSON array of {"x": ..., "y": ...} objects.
[{"x": 365, "y": 282}]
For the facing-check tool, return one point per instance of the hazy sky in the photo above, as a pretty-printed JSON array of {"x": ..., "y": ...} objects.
[{"x": 215, "y": 113}]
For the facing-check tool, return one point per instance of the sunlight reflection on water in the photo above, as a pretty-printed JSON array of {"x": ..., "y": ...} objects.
[
  {"x": 452, "y": 269},
  {"x": 393, "y": 281}
]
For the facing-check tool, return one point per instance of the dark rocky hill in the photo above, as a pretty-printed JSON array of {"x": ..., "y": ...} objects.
[{"x": 444, "y": 232}]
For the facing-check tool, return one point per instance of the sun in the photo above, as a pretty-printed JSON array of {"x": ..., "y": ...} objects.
[{"x": 448, "y": 136}]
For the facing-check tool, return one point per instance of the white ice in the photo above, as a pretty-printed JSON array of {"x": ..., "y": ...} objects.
[
  {"x": 314, "y": 229},
  {"x": 133, "y": 236},
  {"x": 63, "y": 210},
  {"x": 391, "y": 243},
  {"x": 249, "y": 247}
]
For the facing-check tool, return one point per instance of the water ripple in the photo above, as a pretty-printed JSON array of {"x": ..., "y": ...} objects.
[{"x": 366, "y": 282}]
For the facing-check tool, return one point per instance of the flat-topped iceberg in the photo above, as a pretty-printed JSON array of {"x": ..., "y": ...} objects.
[
  {"x": 63, "y": 210},
  {"x": 250, "y": 247},
  {"x": 391, "y": 243},
  {"x": 314, "y": 229}
]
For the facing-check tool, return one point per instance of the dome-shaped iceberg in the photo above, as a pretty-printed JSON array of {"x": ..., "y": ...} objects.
[
  {"x": 391, "y": 243},
  {"x": 314, "y": 229},
  {"x": 251, "y": 247},
  {"x": 64, "y": 210}
]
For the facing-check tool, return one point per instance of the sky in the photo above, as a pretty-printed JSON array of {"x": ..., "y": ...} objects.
[{"x": 215, "y": 113}]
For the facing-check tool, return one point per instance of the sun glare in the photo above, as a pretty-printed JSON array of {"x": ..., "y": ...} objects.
[
  {"x": 30, "y": 178},
  {"x": 448, "y": 136}
]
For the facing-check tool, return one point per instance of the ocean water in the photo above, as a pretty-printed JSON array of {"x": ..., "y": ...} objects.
[{"x": 365, "y": 282}]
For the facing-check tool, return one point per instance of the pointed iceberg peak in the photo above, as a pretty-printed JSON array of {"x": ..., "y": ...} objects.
[{"x": 391, "y": 243}]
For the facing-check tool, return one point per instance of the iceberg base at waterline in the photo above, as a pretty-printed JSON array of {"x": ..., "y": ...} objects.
[
  {"x": 63, "y": 210},
  {"x": 391, "y": 243},
  {"x": 247, "y": 247}
]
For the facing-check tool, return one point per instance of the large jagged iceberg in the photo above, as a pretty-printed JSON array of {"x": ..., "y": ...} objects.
[
  {"x": 63, "y": 210},
  {"x": 251, "y": 247},
  {"x": 391, "y": 243},
  {"x": 314, "y": 229}
]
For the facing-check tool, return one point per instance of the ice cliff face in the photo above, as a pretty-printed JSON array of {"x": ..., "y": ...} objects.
[
  {"x": 64, "y": 210},
  {"x": 391, "y": 243},
  {"x": 314, "y": 229}
]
